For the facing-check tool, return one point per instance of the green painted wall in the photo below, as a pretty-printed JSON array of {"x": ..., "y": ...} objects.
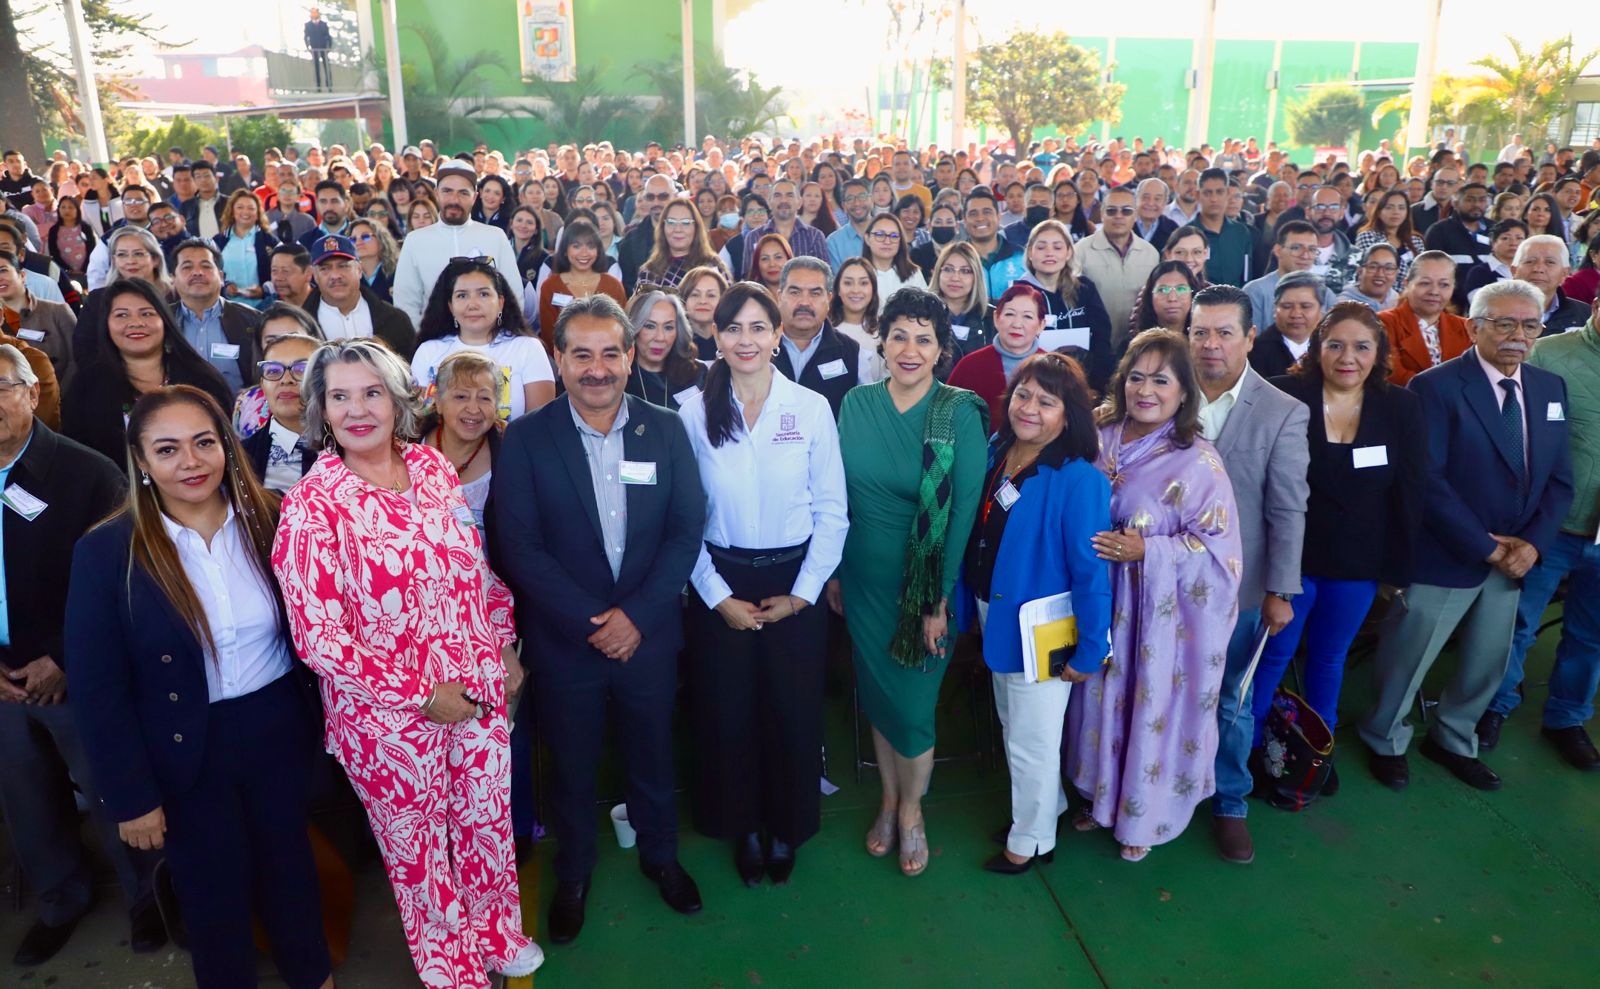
[{"x": 1239, "y": 94}]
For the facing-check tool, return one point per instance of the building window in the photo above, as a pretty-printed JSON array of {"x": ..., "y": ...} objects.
[{"x": 1585, "y": 124}]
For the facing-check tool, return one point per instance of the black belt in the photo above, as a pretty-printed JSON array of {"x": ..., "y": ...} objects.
[{"x": 757, "y": 558}]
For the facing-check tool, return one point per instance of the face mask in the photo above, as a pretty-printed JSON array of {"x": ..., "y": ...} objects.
[
  {"x": 1036, "y": 215},
  {"x": 943, "y": 235},
  {"x": 728, "y": 221}
]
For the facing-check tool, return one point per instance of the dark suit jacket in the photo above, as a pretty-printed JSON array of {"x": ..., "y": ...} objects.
[
  {"x": 137, "y": 677},
  {"x": 258, "y": 447},
  {"x": 831, "y": 346},
  {"x": 389, "y": 323},
  {"x": 1270, "y": 356},
  {"x": 1164, "y": 228},
  {"x": 92, "y": 413},
  {"x": 1471, "y": 485},
  {"x": 1361, "y": 522},
  {"x": 80, "y": 487},
  {"x": 241, "y": 325},
  {"x": 191, "y": 211},
  {"x": 544, "y": 532}
]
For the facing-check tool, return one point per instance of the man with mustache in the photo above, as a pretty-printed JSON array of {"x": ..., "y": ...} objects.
[
  {"x": 598, "y": 514},
  {"x": 813, "y": 354},
  {"x": 346, "y": 306},
  {"x": 1499, "y": 486},
  {"x": 425, "y": 252},
  {"x": 223, "y": 332}
]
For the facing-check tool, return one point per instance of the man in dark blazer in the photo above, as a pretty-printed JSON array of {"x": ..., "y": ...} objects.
[
  {"x": 56, "y": 490},
  {"x": 343, "y": 292},
  {"x": 223, "y": 332},
  {"x": 829, "y": 362},
  {"x": 596, "y": 519},
  {"x": 1499, "y": 485}
]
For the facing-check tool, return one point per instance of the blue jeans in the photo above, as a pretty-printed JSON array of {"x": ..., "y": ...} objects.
[
  {"x": 1236, "y": 723},
  {"x": 1577, "y": 669},
  {"x": 1329, "y": 612}
]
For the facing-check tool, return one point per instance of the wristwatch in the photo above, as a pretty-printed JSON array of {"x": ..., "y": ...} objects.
[{"x": 1282, "y": 596}]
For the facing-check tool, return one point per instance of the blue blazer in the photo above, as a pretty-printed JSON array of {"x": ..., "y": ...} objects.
[
  {"x": 138, "y": 684},
  {"x": 1471, "y": 488},
  {"x": 544, "y": 531},
  {"x": 1045, "y": 551}
]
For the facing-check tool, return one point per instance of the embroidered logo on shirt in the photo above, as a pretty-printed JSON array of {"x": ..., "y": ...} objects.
[{"x": 788, "y": 429}]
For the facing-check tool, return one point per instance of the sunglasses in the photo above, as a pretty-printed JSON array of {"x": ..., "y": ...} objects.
[
  {"x": 274, "y": 370},
  {"x": 1117, "y": 210}
]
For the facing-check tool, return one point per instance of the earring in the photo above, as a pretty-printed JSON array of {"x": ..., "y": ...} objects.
[
  {"x": 327, "y": 436},
  {"x": 777, "y": 350},
  {"x": 146, "y": 481},
  {"x": 719, "y": 353},
  {"x": 457, "y": 324}
]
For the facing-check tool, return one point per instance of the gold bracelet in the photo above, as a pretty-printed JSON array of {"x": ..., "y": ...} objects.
[{"x": 429, "y": 702}]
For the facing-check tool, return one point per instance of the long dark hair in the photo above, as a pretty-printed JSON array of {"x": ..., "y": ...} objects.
[
  {"x": 502, "y": 217},
  {"x": 178, "y": 355},
  {"x": 1404, "y": 232},
  {"x": 578, "y": 230},
  {"x": 901, "y": 263},
  {"x": 869, "y": 319},
  {"x": 1147, "y": 309},
  {"x": 255, "y": 507},
  {"x": 1557, "y": 224},
  {"x": 437, "y": 323},
  {"x": 722, "y": 418},
  {"x": 1309, "y": 367},
  {"x": 1062, "y": 377},
  {"x": 1173, "y": 350}
]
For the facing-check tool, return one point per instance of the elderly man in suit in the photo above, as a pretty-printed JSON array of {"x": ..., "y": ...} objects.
[
  {"x": 1260, "y": 433},
  {"x": 598, "y": 600},
  {"x": 1499, "y": 485},
  {"x": 57, "y": 490}
]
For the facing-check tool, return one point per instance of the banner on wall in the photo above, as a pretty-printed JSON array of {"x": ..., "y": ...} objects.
[{"x": 548, "y": 48}]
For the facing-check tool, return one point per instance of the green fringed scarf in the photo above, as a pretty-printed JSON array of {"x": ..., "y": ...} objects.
[{"x": 925, "y": 545}]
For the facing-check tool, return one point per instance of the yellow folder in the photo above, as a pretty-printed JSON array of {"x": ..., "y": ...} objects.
[{"x": 1049, "y": 631}]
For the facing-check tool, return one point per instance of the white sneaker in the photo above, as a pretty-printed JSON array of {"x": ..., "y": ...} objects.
[{"x": 527, "y": 961}]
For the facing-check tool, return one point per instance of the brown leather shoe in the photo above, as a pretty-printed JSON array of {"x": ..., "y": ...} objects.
[{"x": 1233, "y": 839}]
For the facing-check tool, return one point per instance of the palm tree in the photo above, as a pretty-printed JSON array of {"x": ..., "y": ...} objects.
[
  {"x": 446, "y": 97},
  {"x": 1533, "y": 87},
  {"x": 727, "y": 102},
  {"x": 579, "y": 110}
]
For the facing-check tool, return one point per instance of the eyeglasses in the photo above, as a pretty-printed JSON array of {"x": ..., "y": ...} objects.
[
  {"x": 274, "y": 370},
  {"x": 1507, "y": 325},
  {"x": 964, "y": 272},
  {"x": 678, "y": 221},
  {"x": 1382, "y": 269},
  {"x": 859, "y": 197},
  {"x": 1326, "y": 208},
  {"x": 1299, "y": 250},
  {"x": 9, "y": 385},
  {"x": 483, "y": 259},
  {"x": 885, "y": 236},
  {"x": 363, "y": 238},
  {"x": 755, "y": 215},
  {"x": 1117, "y": 210},
  {"x": 1172, "y": 290}
]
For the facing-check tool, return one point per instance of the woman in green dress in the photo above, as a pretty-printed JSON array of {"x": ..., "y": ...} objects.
[{"x": 913, "y": 452}]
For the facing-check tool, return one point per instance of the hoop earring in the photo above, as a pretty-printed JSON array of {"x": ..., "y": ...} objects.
[
  {"x": 777, "y": 350},
  {"x": 327, "y": 437},
  {"x": 719, "y": 353}
]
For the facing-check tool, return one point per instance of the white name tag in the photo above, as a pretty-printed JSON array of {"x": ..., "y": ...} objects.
[
  {"x": 560, "y": 300},
  {"x": 637, "y": 471},
  {"x": 832, "y": 369},
  {"x": 464, "y": 515},
  {"x": 34, "y": 335},
  {"x": 21, "y": 502},
  {"x": 1007, "y": 495},
  {"x": 1481, "y": 238},
  {"x": 1056, "y": 339},
  {"x": 961, "y": 332},
  {"x": 682, "y": 398},
  {"x": 1371, "y": 456},
  {"x": 1555, "y": 413},
  {"x": 225, "y": 351}
]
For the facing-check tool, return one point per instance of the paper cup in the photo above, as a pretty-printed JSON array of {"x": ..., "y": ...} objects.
[{"x": 619, "y": 821}]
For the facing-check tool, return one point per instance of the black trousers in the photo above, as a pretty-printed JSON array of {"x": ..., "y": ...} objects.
[
  {"x": 321, "y": 69},
  {"x": 236, "y": 842},
  {"x": 757, "y": 703},
  {"x": 573, "y": 694}
]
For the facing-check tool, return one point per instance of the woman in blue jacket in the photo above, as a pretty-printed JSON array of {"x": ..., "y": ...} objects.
[{"x": 1043, "y": 502}]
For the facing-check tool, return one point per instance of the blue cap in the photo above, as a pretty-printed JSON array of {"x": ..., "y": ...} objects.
[{"x": 334, "y": 246}]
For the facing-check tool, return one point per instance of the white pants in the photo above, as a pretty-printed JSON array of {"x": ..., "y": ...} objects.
[{"x": 1031, "y": 716}]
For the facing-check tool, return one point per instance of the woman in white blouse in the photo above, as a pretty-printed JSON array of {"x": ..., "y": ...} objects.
[
  {"x": 775, "y": 527},
  {"x": 890, "y": 256}
]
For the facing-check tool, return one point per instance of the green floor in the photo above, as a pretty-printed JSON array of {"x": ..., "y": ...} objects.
[{"x": 1440, "y": 885}]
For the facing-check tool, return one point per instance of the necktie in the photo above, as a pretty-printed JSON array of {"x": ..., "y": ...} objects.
[{"x": 1511, "y": 422}]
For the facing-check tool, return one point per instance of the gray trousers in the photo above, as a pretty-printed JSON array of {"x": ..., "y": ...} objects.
[
  {"x": 1487, "y": 615},
  {"x": 41, "y": 755}
]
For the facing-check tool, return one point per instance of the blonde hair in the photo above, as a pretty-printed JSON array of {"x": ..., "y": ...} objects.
[{"x": 978, "y": 295}]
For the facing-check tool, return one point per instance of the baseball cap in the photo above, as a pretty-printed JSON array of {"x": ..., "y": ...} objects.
[
  {"x": 334, "y": 246},
  {"x": 411, "y": 150}
]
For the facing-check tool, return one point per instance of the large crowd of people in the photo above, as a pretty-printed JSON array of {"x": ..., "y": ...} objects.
[{"x": 329, "y": 482}]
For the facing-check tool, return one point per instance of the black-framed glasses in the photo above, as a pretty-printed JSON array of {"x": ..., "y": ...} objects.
[
  {"x": 274, "y": 370},
  {"x": 1117, "y": 210},
  {"x": 485, "y": 260}
]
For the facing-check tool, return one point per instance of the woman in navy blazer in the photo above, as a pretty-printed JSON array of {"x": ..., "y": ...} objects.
[
  {"x": 1043, "y": 502},
  {"x": 192, "y": 712},
  {"x": 1368, "y": 471}
]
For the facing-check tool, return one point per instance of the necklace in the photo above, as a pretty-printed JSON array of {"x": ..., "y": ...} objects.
[
  {"x": 1352, "y": 418},
  {"x": 461, "y": 468}
]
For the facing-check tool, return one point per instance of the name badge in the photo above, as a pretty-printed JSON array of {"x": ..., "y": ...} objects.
[
  {"x": 832, "y": 369},
  {"x": 1007, "y": 495},
  {"x": 33, "y": 335},
  {"x": 682, "y": 398},
  {"x": 560, "y": 300},
  {"x": 225, "y": 351},
  {"x": 464, "y": 515},
  {"x": 1481, "y": 238},
  {"x": 1555, "y": 413},
  {"x": 961, "y": 332},
  {"x": 1371, "y": 456},
  {"x": 21, "y": 502},
  {"x": 637, "y": 471}
]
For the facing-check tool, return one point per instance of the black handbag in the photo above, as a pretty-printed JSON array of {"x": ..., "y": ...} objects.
[{"x": 1296, "y": 753}]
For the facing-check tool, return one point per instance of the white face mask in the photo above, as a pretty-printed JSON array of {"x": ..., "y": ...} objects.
[{"x": 728, "y": 221}]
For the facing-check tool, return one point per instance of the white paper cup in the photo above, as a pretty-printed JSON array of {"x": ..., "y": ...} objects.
[{"x": 619, "y": 820}]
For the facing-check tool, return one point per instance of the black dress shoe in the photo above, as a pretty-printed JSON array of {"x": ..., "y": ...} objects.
[
  {"x": 1003, "y": 865},
  {"x": 677, "y": 887},
  {"x": 780, "y": 861},
  {"x": 1391, "y": 770},
  {"x": 1489, "y": 730},
  {"x": 1466, "y": 769},
  {"x": 42, "y": 942},
  {"x": 566, "y": 911},
  {"x": 749, "y": 859},
  {"x": 147, "y": 932},
  {"x": 1574, "y": 745}
]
